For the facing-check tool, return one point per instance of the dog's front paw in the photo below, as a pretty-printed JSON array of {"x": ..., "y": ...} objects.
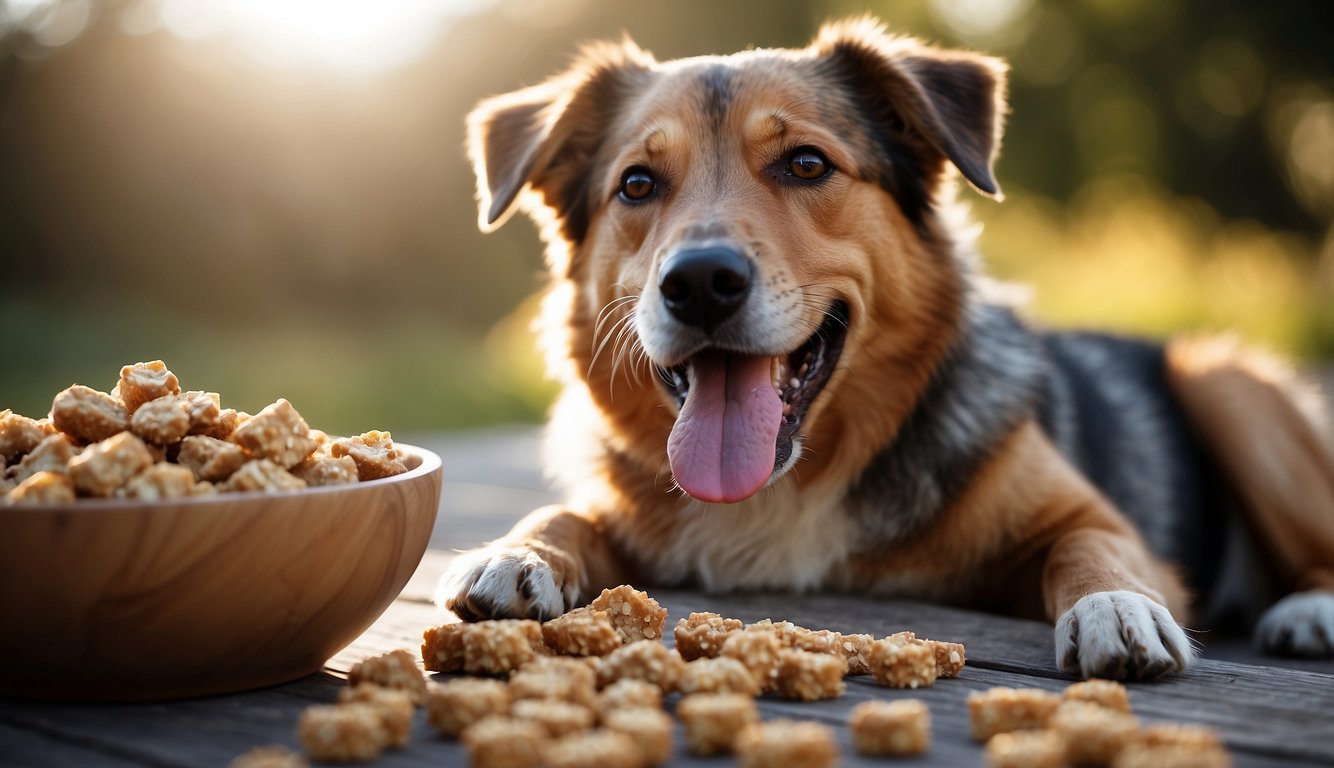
[
  {"x": 1120, "y": 635},
  {"x": 508, "y": 583},
  {"x": 1301, "y": 624}
]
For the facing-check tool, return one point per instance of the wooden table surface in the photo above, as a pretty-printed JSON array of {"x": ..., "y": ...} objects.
[{"x": 1270, "y": 712}]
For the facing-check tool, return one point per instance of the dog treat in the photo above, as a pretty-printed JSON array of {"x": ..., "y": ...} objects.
[
  {"x": 500, "y": 647},
  {"x": 720, "y": 675},
  {"x": 634, "y": 614},
  {"x": 374, "y": 453},
  {"x": 1190, "y": 737},
  {"x": 52, "y": 454},
  {"x": 701, "y": 635},
  {"x": 1026, "y": 749},
  {"x": 262, "y": 475},
  {"x": 553, "y": 685},
  {"x": 162, "y": 421},
  {"x": 204, "y": 409},
  {"x": 645, "y": 660},
  {"x": 950, "y": 657},
  {"x": 452, "y": 707},
  {"x": 857, "y": 653},
  {"x": 396, "y": 669},
  {"x": 88, "y": 415},
  {"x": 163, "y": 481},
  {"x": 1141, "y": 755},
  {"x": 394, "y": 706},
  {"x": 226, "y": 423},
  {"x": 325, "y": 470},
  {"x": 595, "y": 749},
  {"x": 581, "y": 632},
  {"x": 273, "y": 756},
  {"x": 794, "y": 743},
  {"x": 41, "y": 488},
  {"x": 894, "y": 728},
  {"x": 341, "y": 733},
  {"x": 105, "y": 466},
  {"x": 713, "y": 720},
  {"x": 1108, "y": 693},
  {"x": 649, "y": 727},
  {"x": 6, "y": 485},
  {"x": 277, "y": 433},
  {"x": 142, "y": 382},
  {"x": 758, "y": 650},
  {"x": 628, "y": 694},
  {"x": 906, "y": 664},
  {"x": 1093, "y": 733},
  {"x": 210, "y": 459},
  {"x": 1002, "y": 710},
  {"x": 583, "y": 669},
  {"x": 785, "y": 631},
  {"x": 505, "y": 742},
  {"x": 806, "y": 676},
  {"x": 560, "y": 718},
  {"x": 20, "y": 434},
  {"x": 442, "y": 647}
]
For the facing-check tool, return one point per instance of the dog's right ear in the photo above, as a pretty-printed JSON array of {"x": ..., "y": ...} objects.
[{"x": 546, "y": 136}]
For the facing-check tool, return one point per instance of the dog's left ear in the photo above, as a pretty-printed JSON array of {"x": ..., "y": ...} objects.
[{"x": 953, "y": 99}]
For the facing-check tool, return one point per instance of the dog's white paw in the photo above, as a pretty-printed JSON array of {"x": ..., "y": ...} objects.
[
  {"x": 505, "y": 583},
  {"x": 1301, "y": 624},
  {"x": 1121, "y": 635}
]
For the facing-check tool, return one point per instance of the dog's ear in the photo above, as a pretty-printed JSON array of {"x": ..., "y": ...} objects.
[
  {"x": 547, "y": 135},
  {"x": 955, "y": 100}
]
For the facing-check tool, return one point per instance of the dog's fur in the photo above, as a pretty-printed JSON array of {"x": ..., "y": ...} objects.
[{"x": 954, "y": 453}]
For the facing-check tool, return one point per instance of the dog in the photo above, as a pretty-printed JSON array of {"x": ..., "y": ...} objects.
[{"x": 783, "y": 368}]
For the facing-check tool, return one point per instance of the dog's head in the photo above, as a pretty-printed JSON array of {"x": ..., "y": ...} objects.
[{"x": 749, "y": 228}]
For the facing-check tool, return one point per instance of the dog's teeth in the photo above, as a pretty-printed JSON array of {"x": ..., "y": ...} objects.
[
  {"x": 795, "y": 383},
  {"x": 804, "y": 368}
]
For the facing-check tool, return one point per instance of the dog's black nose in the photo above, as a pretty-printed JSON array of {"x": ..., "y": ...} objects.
[{"x": 705, "y": 286}]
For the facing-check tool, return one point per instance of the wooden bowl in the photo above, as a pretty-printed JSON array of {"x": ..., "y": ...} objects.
[{"x": 123, "y": 600}]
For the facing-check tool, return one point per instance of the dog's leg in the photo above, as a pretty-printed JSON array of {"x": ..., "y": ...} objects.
[
  {"x": 542, "y": 568},
  {"x": 1267, "y": 434}
]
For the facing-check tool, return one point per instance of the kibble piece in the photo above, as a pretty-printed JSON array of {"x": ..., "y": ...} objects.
[
  {"x": 806, "y": 676},
  {"x": 88, "y": 415},
  {"x": 226, "y": 423},
  {"x": 326, "y": 470},
  {"x": 908, "y": 665},
  {"x": 162, "y": 421},
  {"x": 720, "y": 675},
  {"x": 273, "y": 756},
  {"x": 894, "y": 728},
  {"x": 595, "y": 749},
  {"x": 50, "y": 455},
  {"x": 505, "y": 742},
  {"x": 452, "y": 707},
  {"x": 442, "y": 647},
  {"x": 628, "y": 694},
  {"x": 1141, "y": 755},
  {"x": 950, "y": 657},
  {"x": 262, "y": 475},
  {"x": 818, "y": 641},
  {"x": 277, "y": 433},
  {"x": 649, "y": 727},
  {"x": 1093, "y": 734},
  {"x": 701, "y": 635},
  {"x": 553, "y": 685},
  {"x": 20, "y": 434},
  {"x": 785, "y": 631},
  {"x": 1194, "y": 737},
  {"x": 634, "y": 614},
  {"x": 42, "y": 488},
  {"x": 646, "y": 660},
  {"x": 1002, "y": 710},
  {"x": 560, "y": 718},
  {"x": 857, "y": 653},
  {"x": 500, "y": 647},
  {"x": 581, "y": 632},
  {"x": 204, "y": 409},
  {"x": 1026, "y": 749},
  {"x": 143, "y": 382},
  {"x": 758, "y": 651},
  {"x": 334, "y": 733},
  {"x": 794, "y": 743},
  {"x": 396, "y": 669},
  {"x": 210, "y": 459},
  {"x": 374, "y": 452},
  {"x": 583, "y": 669},
  {"x": 104, "y": 467},
  {"x": 713, "y": 720},
  {"x": 163, "y": 481},
  {"x": 394, "y": 706},
  {"x": 1108, "y": 693}
]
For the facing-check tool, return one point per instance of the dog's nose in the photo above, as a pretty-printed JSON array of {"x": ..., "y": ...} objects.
[{"x": 705, "y": 286}]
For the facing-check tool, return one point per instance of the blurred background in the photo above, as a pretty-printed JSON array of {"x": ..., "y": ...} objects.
[{"x": 272, "y": 195}]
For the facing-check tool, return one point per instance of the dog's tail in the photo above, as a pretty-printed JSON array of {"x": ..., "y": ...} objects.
[{"x": 1270, "y": 435}]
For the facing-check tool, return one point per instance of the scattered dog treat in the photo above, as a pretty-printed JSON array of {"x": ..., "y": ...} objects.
[
  {"x": 582, "y": 632},
  {"x": 648, "y": 727},
  {"x": 594, "y": 749},
  {"x": 505, "y": 742},
  {"x": 580, "y": 669},
  {"x": 1093, "y": 733},
  {"x": 1002, "y": 710},
  {"x": 794, "y": 743},
  {"x": 394, "y": 706},
  {"x": 720, "y": 675},
  {"x": 950, "y": 658},
  {"x": 758, "y": 650},
  {"x": 1140, "y": 755},
  {"x": 900, "y": 662},
  {"x": 560, "y": 718},
  {"x": 341, "y": 733},
  {"x": 1026, "y": 749},
  {"x": 442, "y": 647},
  {"x": 1190, "y": 737},
  {"x": 701, "y": 635},
  {"x": 807, "y": 676},
  {"x": 628, "y": 694},
  {"x": 1108, "y": 693},
  {"x": 452, "y": 707},
  {"x": 500, "y": 647},
  {"x": 645, "y": 660},
  {"x": 634, "y": 614},
  {"x": 857, "y": 653},
  {"x": 891, "y": 728},
  {"x": 554, "y": 685},
  {"x": 273, "y": 756},
  {"x": 713, "y": 720},
  {"x": 396, "y": 669}
]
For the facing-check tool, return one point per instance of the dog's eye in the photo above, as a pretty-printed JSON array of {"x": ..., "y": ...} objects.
[
  {"x": 808, "y": 164},
  {"x": 637, "y": 184}
]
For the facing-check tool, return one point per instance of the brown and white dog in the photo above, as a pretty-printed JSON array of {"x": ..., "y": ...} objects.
[{"x": 783, "y": 369}]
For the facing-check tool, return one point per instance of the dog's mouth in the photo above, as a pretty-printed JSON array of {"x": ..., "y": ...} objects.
[{"x": 740, "y": 414}]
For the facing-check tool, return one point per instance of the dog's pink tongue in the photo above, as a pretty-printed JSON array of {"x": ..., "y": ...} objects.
[{"x": 722, "y": 447}]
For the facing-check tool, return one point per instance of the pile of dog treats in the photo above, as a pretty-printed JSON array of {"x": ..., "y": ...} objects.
[{"x": 587, "y": 689}]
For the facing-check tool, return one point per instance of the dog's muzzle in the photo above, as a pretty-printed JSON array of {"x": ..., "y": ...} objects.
[{"x": 703, "y": 287}]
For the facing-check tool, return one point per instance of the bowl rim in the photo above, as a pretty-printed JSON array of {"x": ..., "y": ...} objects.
[{"x": 429, "y": 462}]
